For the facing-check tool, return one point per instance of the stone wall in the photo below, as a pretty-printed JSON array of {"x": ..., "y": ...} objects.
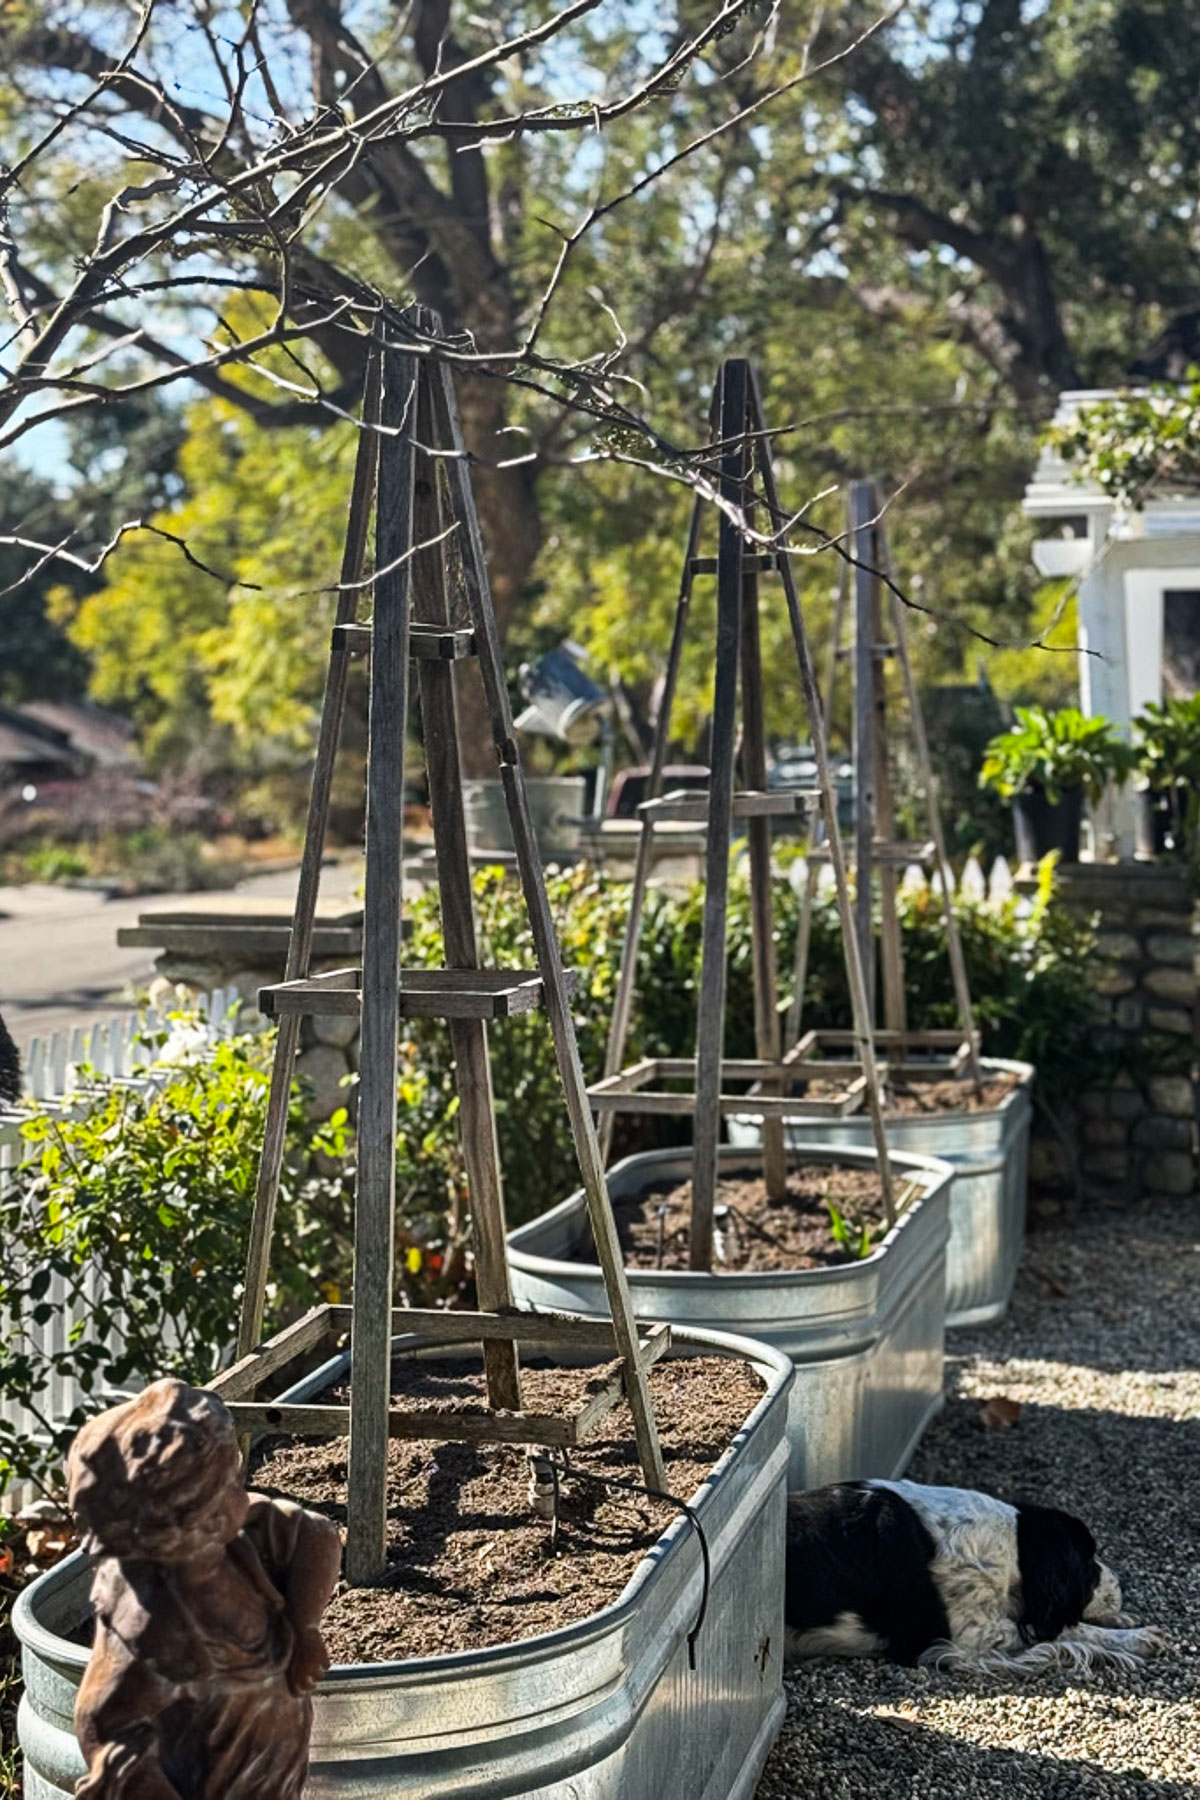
[
  {"x": 245, "y": 947},
  {"x": 1138, "y": 1135}
]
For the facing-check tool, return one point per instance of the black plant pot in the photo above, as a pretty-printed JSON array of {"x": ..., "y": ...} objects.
[
  {"x": 1043, "y": 825},
  {"x": 1158, "y": 824}
]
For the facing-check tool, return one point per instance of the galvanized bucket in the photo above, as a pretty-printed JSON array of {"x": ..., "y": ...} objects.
[
  {"x": 989, "y": 1152},
  {"x": 866, "y": 1337},
  {"x": 607, "y": 1709},
  {"x": 556, "y": 803}
]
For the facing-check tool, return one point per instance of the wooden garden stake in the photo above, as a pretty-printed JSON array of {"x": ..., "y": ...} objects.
[
  {"x": 424, "y": 491},
  {"x": 868, "y": 539},
  {"x": 742, "y": 451},
  {"x": 375, "y": 1193}
]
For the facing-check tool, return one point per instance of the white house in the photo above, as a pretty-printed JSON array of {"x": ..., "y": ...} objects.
[{"x": 1138, "y": 576}]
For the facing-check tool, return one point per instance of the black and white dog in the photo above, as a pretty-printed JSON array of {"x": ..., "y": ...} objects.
[{"x": 953, "y": 1578}]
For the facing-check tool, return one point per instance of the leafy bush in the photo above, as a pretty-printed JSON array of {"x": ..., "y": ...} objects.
[
  {"x": 1055, "y": 752},
  {"x": 1029, "y": 977},
  {"x": 1129, "y": 445},
  {"x": 136, "y": 1214}
]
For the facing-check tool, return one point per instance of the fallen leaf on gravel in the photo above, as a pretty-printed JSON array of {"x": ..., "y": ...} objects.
[
  {"x": 999, "y": 1413},
  {"x": 901, "y": 1720}
]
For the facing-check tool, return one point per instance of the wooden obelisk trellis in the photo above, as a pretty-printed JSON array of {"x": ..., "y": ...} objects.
[
  {"x": 411, "y": 449},
  {"x": 877, "y": 851},
  {"x": 750, "y": 516}
]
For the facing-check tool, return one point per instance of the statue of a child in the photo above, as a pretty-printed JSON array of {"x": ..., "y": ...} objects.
[{"x": 207, "y": 1603}]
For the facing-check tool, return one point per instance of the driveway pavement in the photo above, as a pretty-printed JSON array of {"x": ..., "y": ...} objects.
[{"x": 59, "y": 961}]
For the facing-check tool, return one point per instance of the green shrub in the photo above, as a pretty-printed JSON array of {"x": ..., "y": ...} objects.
[
  {"x": 1029, "y": 976},
  {"x": 140, "y": 1209}
]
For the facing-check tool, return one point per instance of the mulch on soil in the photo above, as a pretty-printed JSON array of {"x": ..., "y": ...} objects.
[
  {"x": 469, "y": 1563},
  {"x": 752, "y": 1232}
]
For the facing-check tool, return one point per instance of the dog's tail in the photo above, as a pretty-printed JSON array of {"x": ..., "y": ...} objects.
[{"x": 10, "y": 1067}]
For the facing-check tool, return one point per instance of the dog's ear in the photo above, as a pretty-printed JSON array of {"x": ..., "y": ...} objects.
[{"x": 1059, "y": 1572}]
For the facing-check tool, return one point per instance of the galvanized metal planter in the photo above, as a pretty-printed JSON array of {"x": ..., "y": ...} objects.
[
  {"x": 989, "y": 1152},
  {"x": 607, "y": 1709},
  {"x": 866, "y": 1337}
]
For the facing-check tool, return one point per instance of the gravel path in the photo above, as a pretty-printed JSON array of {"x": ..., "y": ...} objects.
[{"x": 1102, "y": 1349}]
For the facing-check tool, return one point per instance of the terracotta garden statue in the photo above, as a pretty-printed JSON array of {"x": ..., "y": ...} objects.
[{"x": 207, "y": 1603}]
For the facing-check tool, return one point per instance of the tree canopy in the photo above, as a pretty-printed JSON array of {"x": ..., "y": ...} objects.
[{"x": 922, "y": 226}]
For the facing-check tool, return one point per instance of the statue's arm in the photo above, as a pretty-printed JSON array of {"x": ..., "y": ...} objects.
[
  {"x": 119, "y": 1701},
  {"x": 305, "y": 1552}
]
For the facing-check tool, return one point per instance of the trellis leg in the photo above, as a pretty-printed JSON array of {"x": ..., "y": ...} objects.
[
  {"x": 865, "y": 498},
  {"x": 958, "y": 966},
  {"x": 754, "y": 764},
  {"x": 864, "y": 737},
  {"x": 618, "y": 1031},
  {"x": 604, "y": 1231},
  {"x": 808, "y": 904},
  {"x": 375, "y": 1195},
  {"x": 812, "y": 700},
  {"x": 710, "y": 1011},
  {"x": 468, "y": 1037},
  {"x": 300, "y": 942}
]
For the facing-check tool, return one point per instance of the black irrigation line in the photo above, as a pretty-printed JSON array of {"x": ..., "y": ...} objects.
[{"x": 636, "y": 1487}]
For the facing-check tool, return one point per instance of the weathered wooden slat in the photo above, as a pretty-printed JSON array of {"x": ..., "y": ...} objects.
[
  {"x": 598, "y": 1406},
  {"x": 375, "y": 1192},
  {"x": 449, "y": 1426},
  {"x": 426, "y": 993},
  {"x": 710, "y": 1008},
  {"x": 760, "y": 565},
  {"x": 304, "y": 934},
  {"x": 468, "y": 1033},
  {"x": 944, "y": 1038},
  {"x": 427, "y": 643},
  {"x": 454, "y": 1326},
  {"x": 683, "y": 808},
  {"x": 246, "y": 1375},
  {"x": 753, "y": 1106}
]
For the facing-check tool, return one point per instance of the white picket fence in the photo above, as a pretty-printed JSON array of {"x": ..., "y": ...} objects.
[
  {"x": 122, "y": 1049},
  {"x": 995, "y": 888}
]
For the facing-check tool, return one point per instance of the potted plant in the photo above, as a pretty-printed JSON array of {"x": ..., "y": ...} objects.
[
  {"x": 1168, "y": 764},
  {"x": 1046, "y": 765}
]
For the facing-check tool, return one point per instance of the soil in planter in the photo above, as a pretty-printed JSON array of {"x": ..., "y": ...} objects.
[
  {"x": 954, "y": 1095},
  {"x": 752, "y": 1233},
  {"x": 469, "y": 1563},
  {"x": 907, "y": 1099}
]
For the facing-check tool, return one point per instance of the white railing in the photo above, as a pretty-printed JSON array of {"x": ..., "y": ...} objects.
[
  {"x": 116, "y": 1049},
  {"x": 993, "y": 889}
]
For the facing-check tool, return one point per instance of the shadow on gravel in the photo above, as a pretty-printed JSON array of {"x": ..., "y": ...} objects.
[{"x": 829, "y": 1750}]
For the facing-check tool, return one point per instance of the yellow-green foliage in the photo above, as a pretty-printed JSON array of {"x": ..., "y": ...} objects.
[{"x": 244, "y": 644}]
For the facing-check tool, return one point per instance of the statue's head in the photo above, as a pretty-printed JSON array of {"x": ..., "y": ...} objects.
[{"x": 158, "y": 1478}]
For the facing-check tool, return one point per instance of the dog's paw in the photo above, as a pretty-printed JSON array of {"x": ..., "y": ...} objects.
[{"x": 1153, "y": 1640}]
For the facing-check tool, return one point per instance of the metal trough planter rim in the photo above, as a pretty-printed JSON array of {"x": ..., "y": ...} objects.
[
  {"x": 54, "y": 1649},
  {"x": 904, "y": 1161}
]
